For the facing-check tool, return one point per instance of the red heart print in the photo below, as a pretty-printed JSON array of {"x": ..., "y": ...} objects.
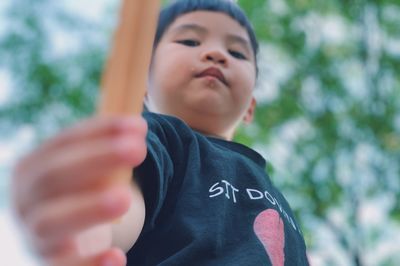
[{"x": 269, "y": 228}]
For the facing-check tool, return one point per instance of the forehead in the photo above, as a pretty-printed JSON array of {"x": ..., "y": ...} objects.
[{"x": 212, "y": 20}]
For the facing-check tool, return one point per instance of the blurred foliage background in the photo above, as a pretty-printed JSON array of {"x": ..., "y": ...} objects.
[{"x": 328, "y": 117}]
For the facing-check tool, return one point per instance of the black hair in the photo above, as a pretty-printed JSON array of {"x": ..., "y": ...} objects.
[{"x": 180, "y": 7}]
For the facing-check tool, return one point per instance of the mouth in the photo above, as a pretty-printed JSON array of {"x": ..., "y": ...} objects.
[{"x": 213, "y": 72}]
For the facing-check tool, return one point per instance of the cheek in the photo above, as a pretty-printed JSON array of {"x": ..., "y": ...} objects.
[
  {"x": 170, "y": 71},
  {"x": 246, "y": 81},
  {"x": 244, "y": 86}
]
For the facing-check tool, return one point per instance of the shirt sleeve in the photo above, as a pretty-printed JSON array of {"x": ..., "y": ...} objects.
[{"x": 164, "y": 168}]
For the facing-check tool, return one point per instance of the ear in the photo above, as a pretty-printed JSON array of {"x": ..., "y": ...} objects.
[
  {"x": 248, "y": 117},
  {"x": 146, "y": 98}
]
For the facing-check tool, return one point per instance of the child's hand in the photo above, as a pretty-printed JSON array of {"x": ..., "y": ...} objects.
[{"x": 65, "y": 187}]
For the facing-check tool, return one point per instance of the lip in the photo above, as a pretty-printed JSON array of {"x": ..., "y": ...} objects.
[{"x": 213, "y": 72}]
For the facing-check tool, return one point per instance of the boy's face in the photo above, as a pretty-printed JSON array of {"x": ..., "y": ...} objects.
[{"x": 203, "y": 71}]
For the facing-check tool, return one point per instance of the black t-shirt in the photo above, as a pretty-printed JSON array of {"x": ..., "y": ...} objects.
[{"x": 210, "y": 202}]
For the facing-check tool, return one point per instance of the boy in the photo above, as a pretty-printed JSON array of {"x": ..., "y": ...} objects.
[{"x": 197, "y": 197}]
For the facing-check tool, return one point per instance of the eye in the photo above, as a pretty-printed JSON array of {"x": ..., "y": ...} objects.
[
  {"x": 238, "y": 55},
  {"x": 189, "y": 42}
]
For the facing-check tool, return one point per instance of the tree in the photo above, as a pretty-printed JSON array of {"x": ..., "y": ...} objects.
[{"x": 328, "y": 115}]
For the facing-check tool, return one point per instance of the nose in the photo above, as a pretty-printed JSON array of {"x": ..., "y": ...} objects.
[{"x": 216, "y": 56}]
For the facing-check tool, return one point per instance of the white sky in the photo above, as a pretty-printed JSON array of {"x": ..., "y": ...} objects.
[{"x": 91, "y": 9}]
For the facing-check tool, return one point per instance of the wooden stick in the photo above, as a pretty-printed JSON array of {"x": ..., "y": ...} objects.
[{"x": 125, "y": 77}]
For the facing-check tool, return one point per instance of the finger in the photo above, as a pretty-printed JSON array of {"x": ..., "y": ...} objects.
[
  {"x": 58, "y": 220},
  {"x": 67, "y": 247},
  {"x": 98, "y": 127},
  {"x": 85, "y": 131},
  {"x": 79, "y": 168},
  {"x": 111, "y": 257}
]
